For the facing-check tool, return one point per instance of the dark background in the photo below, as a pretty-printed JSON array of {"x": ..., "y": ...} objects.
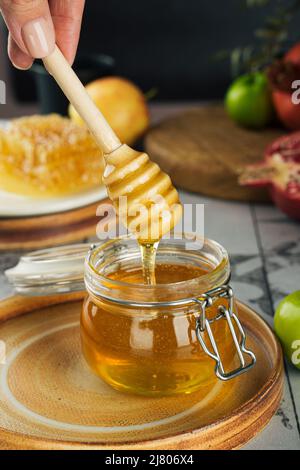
[{"x": 167, "y": 44}]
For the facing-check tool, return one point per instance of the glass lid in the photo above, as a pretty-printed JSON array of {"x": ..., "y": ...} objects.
[{"x": 50, "y": 271}]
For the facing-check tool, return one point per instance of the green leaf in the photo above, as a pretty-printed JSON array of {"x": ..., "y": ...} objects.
[{"x": 269, "y": 39}]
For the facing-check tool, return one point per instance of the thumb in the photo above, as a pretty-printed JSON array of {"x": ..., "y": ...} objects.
[{"x": 30, "y": 25}]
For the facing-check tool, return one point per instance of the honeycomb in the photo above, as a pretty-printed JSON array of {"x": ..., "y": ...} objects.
[{"x": 48, "y": 156}]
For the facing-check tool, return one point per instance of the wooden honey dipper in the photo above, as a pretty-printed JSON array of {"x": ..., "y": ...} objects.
[{"x": 151, "y": 207}]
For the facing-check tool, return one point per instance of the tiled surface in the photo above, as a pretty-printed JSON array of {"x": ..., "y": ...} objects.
[{"x": 264, "y": 247}]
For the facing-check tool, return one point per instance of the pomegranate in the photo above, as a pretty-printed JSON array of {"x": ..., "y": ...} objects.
[{"x": 280, "y": 171}]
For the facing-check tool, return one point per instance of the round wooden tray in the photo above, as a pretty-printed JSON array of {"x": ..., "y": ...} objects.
[
  {"x": 203, "y": 151},
  {"x": 50, "y": 400},
  {"x": 23, "y": 233}
]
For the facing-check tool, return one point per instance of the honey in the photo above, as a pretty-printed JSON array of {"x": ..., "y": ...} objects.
[
  {"x": 48, "y": 156},
  {"x": 164, "y": 274},
  {"x": 148, "y": 256},
  {"x": 151, "y": 350}
]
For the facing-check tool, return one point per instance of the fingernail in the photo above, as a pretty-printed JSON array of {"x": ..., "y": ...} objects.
[
  {"x": 39, "y": 38},
  {"x": 21, "y": 68}
]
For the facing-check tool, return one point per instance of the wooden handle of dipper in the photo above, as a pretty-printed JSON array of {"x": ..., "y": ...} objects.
[{"x": 62, "y": 72}]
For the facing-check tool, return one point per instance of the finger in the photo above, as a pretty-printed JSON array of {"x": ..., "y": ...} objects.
[
  {"x": 19, "y": 59},
  {"x": 67, "y": 18},
  {"x": 30, "y": 24}
]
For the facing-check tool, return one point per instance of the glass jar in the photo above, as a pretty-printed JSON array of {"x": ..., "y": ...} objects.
[{"x": 166, "y": 338}]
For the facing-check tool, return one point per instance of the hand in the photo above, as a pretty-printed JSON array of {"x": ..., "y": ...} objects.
[{"x": 36, "y": 25}]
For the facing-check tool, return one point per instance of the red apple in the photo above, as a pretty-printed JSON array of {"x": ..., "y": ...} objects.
[
  {"x": 293, "y": 55},
  {"x": 283, "y": 76}
]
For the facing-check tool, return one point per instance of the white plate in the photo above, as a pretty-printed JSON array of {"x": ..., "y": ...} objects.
[{"x": 14, "y": 205}]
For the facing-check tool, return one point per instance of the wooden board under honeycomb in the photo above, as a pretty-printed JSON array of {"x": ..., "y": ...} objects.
[{"x": 48, "y": 156}]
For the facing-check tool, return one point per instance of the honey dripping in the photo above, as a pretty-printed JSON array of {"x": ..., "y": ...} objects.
[
  {"x": 148, "y": 255},
  {"x": 145, "y": 200}
]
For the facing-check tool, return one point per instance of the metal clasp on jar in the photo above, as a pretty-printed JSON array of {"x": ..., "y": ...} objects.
[{"x": 227, "y": 313}]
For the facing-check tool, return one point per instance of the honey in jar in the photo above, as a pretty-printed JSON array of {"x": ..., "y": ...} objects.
[{"x": 142, "y": 338}]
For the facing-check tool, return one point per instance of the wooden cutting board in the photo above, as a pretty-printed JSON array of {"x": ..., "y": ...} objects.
[
  {"x": 50, "y": 400},
  {"x": 203, "y": 151},
  {"x": 23, "y": 233}
]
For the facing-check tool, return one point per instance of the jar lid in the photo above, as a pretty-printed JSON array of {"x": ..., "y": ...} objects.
[{"x": 50, "y": 271}]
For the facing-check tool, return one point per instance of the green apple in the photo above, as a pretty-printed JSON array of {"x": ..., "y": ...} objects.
[
  {"x": 287, "y": 326},
  {"x": 248, "y": 101}
]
